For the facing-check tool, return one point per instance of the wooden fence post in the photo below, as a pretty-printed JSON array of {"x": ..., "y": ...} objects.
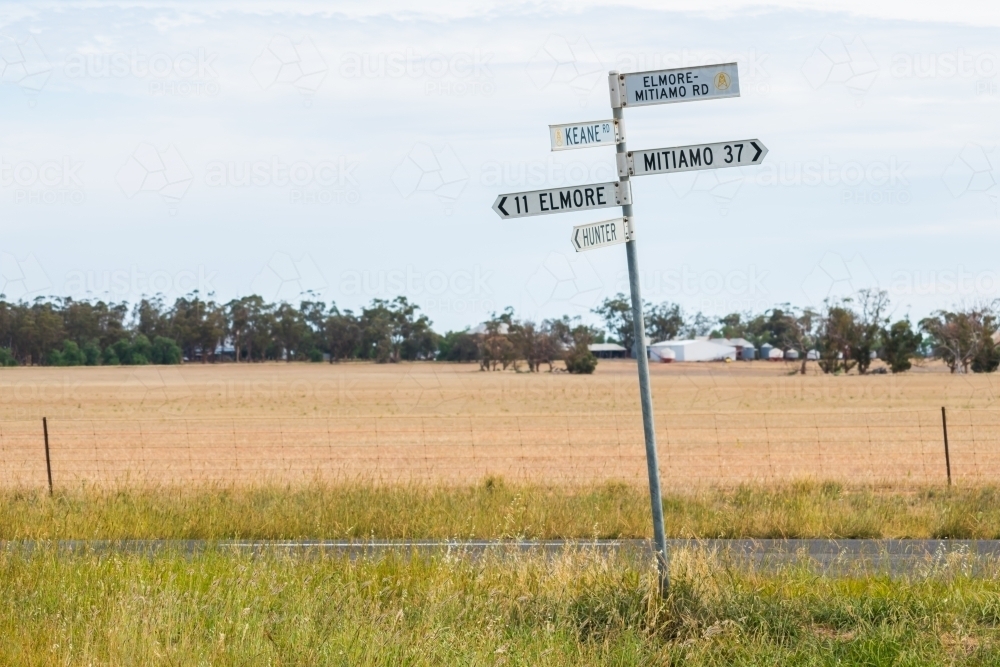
[
  {"x": 947, "y": 456},
  {"x": 48, "y": 459}
]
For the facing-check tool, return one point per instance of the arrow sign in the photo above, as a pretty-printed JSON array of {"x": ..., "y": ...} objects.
[
  {"x": 691, "y": 158},
  {"x": 584, "y": 135},
  {"x": 666, "y": 86},
  {"x": 563, "y": 200},
  {"x": 601, "y": 234}
]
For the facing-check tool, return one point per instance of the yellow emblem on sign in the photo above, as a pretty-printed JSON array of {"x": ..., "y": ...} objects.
[
  {"x": 722, "y": 81},
  {"x": 559, "y": 137}
]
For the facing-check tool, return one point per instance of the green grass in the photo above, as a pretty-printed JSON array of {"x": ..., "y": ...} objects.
[
  {"x": 494, "y": 509},
  {"x": 578, "y": 608}
]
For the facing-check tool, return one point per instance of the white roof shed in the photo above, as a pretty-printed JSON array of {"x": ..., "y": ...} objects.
[{"x": 697, "y": 350}]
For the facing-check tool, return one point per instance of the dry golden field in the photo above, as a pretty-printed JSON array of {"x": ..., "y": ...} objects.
[{"x": 716, "y": 423}]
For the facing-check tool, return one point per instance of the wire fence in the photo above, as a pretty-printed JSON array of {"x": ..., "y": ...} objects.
[{"x": 857, "y": 447}]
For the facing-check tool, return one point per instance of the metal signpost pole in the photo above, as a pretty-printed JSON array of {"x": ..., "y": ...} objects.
[{"x": 645, "y": 394}]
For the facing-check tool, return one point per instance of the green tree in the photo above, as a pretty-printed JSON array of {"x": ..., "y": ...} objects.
[
  {"x": 579, "y": 359},
  {"x": 291, "y": 331},
  {"x": 617, "y": 315},
  {"x": 393, "y": 330},
  {"x": 92, "y": 353},
  {"x": 198, "y": 326},
  {"x": 664, "y": 321},
  {"x": 343, "y": 334},
  {"x": 869, "y": 324},
  {"x": 699, "y": 325},
  {"x": 495, "y": 346},
  {"x": 835, "y": 338},
  {"x": 957, "y": 338},
  {"x": 165, "y": 351},
  {"x": 69, "y": 355},
  {"x": 458, "y": 346},
  {"x": 900, "y": 344},
  {"x": 535, "y": 344}
]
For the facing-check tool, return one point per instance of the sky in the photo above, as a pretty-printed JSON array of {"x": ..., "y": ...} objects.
[{"x": 349, "y": 151}]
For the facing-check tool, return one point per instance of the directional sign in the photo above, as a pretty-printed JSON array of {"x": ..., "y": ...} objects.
[
  {"x": 601, "y": 234},
  {"x": 563, "y": 200},
  {"x": 685, "y": 84},
  {"x": 585, "y": 135},
  {"x": 691, "y": 158}
]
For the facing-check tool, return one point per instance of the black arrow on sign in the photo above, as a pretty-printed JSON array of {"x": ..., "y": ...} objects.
[
  {"x": 503, "y": 199},
  {"x": 576, "y": 238},
  {"x": 759, "y": 151}
]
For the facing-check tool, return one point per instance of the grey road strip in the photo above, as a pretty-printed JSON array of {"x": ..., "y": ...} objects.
[{"x": 823, "y": 555}]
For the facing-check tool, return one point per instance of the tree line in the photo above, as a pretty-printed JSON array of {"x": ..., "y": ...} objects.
[
  {"x": 846, "y": 334},
  {"x": 68, "y": 332}
]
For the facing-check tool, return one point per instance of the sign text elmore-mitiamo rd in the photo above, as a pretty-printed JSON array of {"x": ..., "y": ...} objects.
[
  {"x": 685, "y": 84},
  {"x": 563, "y": 200}
]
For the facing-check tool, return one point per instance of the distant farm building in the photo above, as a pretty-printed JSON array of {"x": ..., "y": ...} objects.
[
  {"x": 744, "y": 348},
  {"x": 607, "y": 351},
  {"x": 661, "y": 353},
  {"x": 694, "y": 350}
]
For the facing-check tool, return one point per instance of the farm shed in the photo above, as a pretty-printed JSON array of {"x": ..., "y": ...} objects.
[
  {"x": 660, "y": 352},
  {"x": 697, "y": 350},
  {"x": 739, "y": 343},
  {"x": 607, "y": 351}
]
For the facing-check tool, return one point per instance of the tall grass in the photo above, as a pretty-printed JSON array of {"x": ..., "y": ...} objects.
[
  {"x": 223, "y": 608},
  {"x": 494, "y": 509}
]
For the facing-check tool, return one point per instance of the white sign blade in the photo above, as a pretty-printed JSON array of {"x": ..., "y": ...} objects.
[
  {"x": 684, "y": 84},
  {"x": 563, "y": 200},
  {"x": 601, "y": 234},
  {"x": 696, "y": 157},
  {"x": 585, "y": 135}
]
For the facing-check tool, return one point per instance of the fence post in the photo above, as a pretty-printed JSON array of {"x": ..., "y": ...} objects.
[
  {"x": 947, "y": 456},
  {"x": 48, "y": 459}
]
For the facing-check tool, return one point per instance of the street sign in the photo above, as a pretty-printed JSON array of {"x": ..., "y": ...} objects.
[
  {"x": 601, "y": 234},
  {"x": 691, "y": 158},
  {"x": 584, "y": 135},
  {"x": 666, "y": 86},
  {"x": 563, "y": 200}
]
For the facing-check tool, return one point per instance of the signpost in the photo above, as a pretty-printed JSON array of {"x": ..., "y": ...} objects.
[
  {"x": 686, "y": 84},
  {"x": 585, "y": 135},
  {"x": 563, "y": 200},
  {"x": 601, "y": 234},
  {"x": 691, "y": 158},
  {"x": 666, "y": 86}
]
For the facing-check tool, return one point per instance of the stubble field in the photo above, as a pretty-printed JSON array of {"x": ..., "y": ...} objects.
[{"x": 450, "y": 423}]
